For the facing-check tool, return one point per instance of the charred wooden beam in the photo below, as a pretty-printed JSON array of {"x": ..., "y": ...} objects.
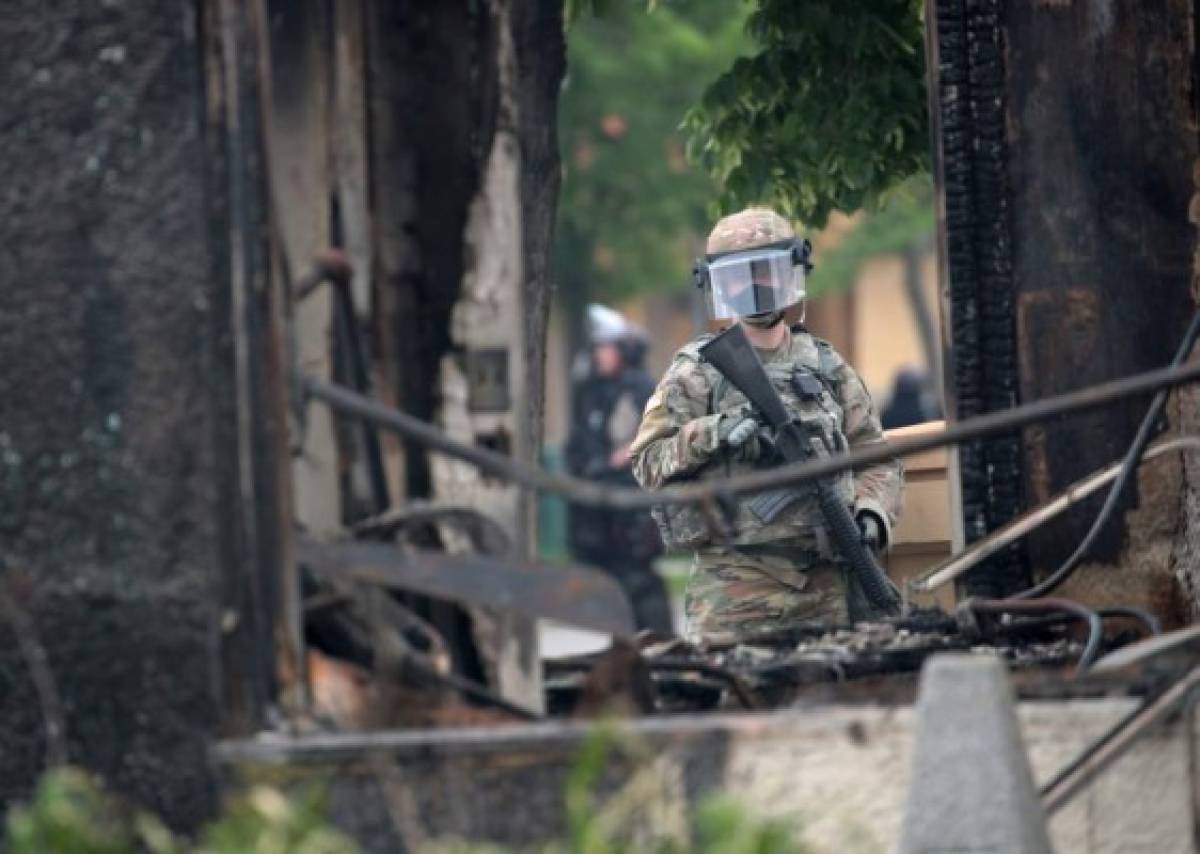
[
  {"x": 1066, "y": 141},
  {"x": 967, "y": 70}
]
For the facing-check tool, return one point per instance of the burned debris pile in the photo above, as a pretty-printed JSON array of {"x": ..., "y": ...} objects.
[
  {"x": 376, "y": 661},
  {"x": 807, "y": 663},
  {"x": 383, "y": 651},
  {"x": 397, "y": 614}
]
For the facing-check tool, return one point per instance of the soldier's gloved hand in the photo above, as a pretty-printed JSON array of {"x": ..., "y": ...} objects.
[
  {"x": 738, "y": 433},
  {"x": 872, "y": 530}
]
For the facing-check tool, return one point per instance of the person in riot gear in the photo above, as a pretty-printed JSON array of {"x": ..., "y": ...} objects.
[
  {"x": 911, "y": 401},
  {"x": 777, "y": 565},
  {"x": 606, "y": 408}
]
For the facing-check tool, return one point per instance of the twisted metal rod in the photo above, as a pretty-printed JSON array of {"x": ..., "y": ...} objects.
[
  {"x": 585, "y": 492},
  {"x": 1116, "y": 742},
  {"x": 970, "y": 557}
]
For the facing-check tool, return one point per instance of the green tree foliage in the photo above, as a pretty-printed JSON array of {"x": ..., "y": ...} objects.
[
  {"x": 903, "y": 222},
  {"x": 807, "y": 105},
  {"x": 829, "y": 114},
  {"x": 633, "y": 208}
]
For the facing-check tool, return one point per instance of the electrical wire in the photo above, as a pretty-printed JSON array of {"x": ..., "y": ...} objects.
[
  {"x": 1128, "y": 468},
  {"x": 1029, "y": 521},
  {"x": 1091, "y": 649},
  {"x": 1149, "y": 622}
]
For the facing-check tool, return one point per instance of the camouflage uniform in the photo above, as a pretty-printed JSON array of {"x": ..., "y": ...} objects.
[{"x": 774, "y": 571}]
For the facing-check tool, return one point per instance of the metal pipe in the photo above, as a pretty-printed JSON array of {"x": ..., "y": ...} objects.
[
  {"x": 1001, "y": 538},
  {"x": 1114, "y": 743},
  {"x": 585, "y": 492},
  {"x": 1041, "y": 606}
]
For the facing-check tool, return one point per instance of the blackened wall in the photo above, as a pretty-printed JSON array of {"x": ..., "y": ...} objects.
[
  {"x": 1066, "y": 136},
  {"x": 115, "y": 394},
  {"x": 433, "y": 88},
  {"x": 1102, "y": 139}
]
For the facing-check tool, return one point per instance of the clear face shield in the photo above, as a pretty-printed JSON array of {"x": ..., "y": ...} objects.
[{"x": 755, "y": 281}]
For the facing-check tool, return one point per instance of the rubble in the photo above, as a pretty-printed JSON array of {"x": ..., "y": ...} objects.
[{"x": 806, "y": 663}]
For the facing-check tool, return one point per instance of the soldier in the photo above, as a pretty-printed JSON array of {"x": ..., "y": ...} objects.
[
  {"x": 778, "y": 566},
  {"x": 607, "y": 405}
]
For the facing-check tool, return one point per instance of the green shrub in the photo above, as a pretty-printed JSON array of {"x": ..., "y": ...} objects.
[{"x": 70, "y": 813}]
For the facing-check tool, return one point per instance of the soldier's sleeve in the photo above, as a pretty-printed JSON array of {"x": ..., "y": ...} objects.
[
  {"x": 677, "y": 434},
  {"x": 878, "y": 488}
]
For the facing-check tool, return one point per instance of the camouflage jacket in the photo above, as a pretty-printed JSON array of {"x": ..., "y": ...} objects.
[{"x": 678, "y": 441}]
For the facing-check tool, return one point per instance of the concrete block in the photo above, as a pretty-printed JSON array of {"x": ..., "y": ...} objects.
[{"x": 970, "y": 788}]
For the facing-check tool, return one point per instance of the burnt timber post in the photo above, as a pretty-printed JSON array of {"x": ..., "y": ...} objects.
[
  {"x": 1066, "y": 139},
  {"x": 464, "y": 167},
  {"x": 966, "y": 100},
  {"x": 144, "y": 492}
]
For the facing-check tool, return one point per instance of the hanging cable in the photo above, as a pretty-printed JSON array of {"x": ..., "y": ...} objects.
[
  {"x": 1128, "y": 469},
  {"x": 975, "y": 554},
  {"x": 1091, "y": 648}
]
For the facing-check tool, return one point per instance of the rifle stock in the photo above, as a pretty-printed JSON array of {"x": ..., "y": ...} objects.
[{"x": 732, "y": 354}]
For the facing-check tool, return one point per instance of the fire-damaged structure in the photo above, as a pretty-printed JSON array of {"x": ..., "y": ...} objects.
[
  {"x": 1065, "y": 148},
  {"x": 175, "y": 168},
  {"x": 261, "y": 511}
]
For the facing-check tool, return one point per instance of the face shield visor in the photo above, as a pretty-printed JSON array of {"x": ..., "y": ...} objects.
[{"x": 755, "y": 281}]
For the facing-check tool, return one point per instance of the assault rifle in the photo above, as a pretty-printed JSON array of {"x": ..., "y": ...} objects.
[{"x": 732, "y": 354}]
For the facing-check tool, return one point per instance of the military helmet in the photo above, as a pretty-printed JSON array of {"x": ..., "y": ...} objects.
[
  {"x": 748, "y": 229},
  {"x": 754, "y": 265}
]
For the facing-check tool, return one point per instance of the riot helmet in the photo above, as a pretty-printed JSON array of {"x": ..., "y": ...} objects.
[
  {"x": 616, "y": 343},
  {"x": 605, "y": 326},
  {"x": 754, "y": 267}
]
